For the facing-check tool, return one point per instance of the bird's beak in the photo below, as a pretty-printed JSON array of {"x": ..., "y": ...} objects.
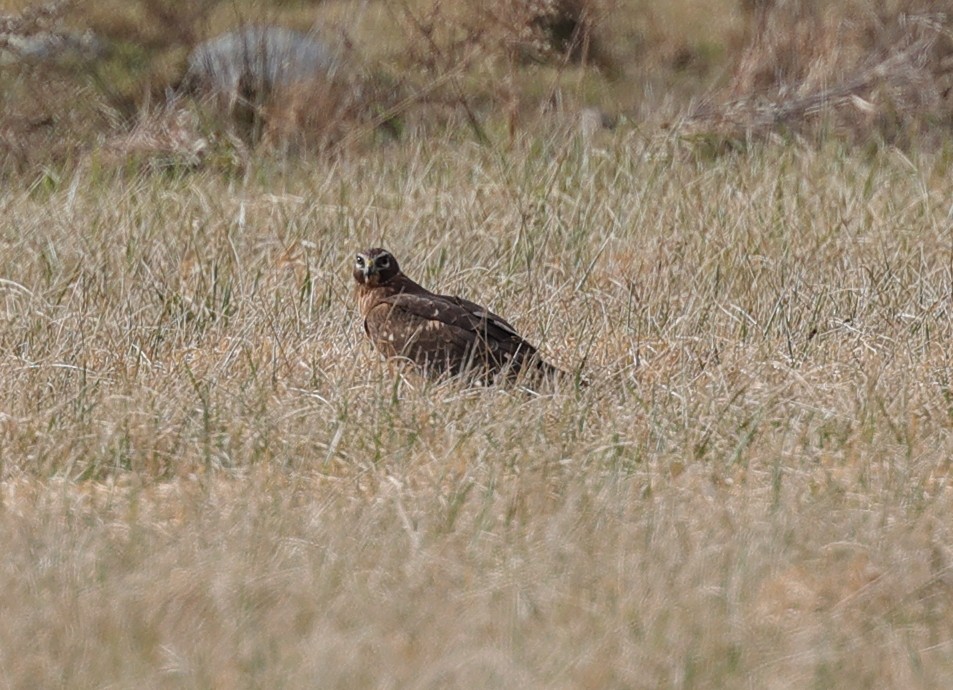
[{"x": 369, "y": 271}]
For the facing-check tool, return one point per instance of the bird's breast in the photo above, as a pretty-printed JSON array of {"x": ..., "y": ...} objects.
[{"x": 365, "y": 299}]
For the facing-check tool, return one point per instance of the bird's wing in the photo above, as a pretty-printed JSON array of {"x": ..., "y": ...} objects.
[
  {"x": 407, "y": 328},
  {"x": 483, "y": 315},
  {"x": 462, "y": 314},
  {"x": 450, "y": 334}
]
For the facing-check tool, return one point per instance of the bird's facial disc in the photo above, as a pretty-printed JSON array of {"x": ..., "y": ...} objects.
[{"x": 374, "y": 268}]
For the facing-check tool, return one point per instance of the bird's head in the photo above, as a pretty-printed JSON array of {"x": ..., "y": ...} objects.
[{"x": 374, "y": 267}]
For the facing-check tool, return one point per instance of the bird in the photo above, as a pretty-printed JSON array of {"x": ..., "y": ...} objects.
[{"x": 446, "y": 336}]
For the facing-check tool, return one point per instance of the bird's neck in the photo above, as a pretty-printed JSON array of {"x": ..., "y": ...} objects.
[{"x": 370, "y": 295}]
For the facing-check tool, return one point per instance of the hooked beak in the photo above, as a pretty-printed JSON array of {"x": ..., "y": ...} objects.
[{"x": 369, "y": 271}]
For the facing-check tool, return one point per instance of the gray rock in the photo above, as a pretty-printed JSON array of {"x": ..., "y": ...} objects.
[{"x": 258, "y": 59}]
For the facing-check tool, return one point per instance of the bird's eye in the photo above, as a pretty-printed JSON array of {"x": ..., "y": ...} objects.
[
  {"x": 359, "y": 261},
  {"x": 384, "y": 261}
]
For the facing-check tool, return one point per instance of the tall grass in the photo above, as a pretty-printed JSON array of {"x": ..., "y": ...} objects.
[{"x": 211, "y": 480}]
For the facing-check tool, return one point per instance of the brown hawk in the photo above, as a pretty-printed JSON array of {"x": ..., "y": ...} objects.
[{"x": 442, "y": 334}]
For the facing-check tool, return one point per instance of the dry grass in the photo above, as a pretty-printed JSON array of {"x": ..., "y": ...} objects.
[
  {"x": 210, "y": 480},
  {"x": 856, "y": 69}
]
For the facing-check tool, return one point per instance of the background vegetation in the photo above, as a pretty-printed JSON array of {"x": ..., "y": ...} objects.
[{"x": 210, "y": 480}]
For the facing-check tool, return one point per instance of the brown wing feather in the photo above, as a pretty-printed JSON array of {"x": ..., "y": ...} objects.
[
  {"x": 446, "y": 332},
  {"x": 431, "y": 343},
  {"x": 458, "y": 312}
]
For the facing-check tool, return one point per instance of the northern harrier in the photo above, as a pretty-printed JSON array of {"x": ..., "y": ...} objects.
[{"x": 442, "y": 334}]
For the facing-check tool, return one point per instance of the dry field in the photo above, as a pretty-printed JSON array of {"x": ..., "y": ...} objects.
[{"x": 208, "y": 479}]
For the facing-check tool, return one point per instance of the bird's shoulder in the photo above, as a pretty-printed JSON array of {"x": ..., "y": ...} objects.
[{"x": 449, "y": 309}]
